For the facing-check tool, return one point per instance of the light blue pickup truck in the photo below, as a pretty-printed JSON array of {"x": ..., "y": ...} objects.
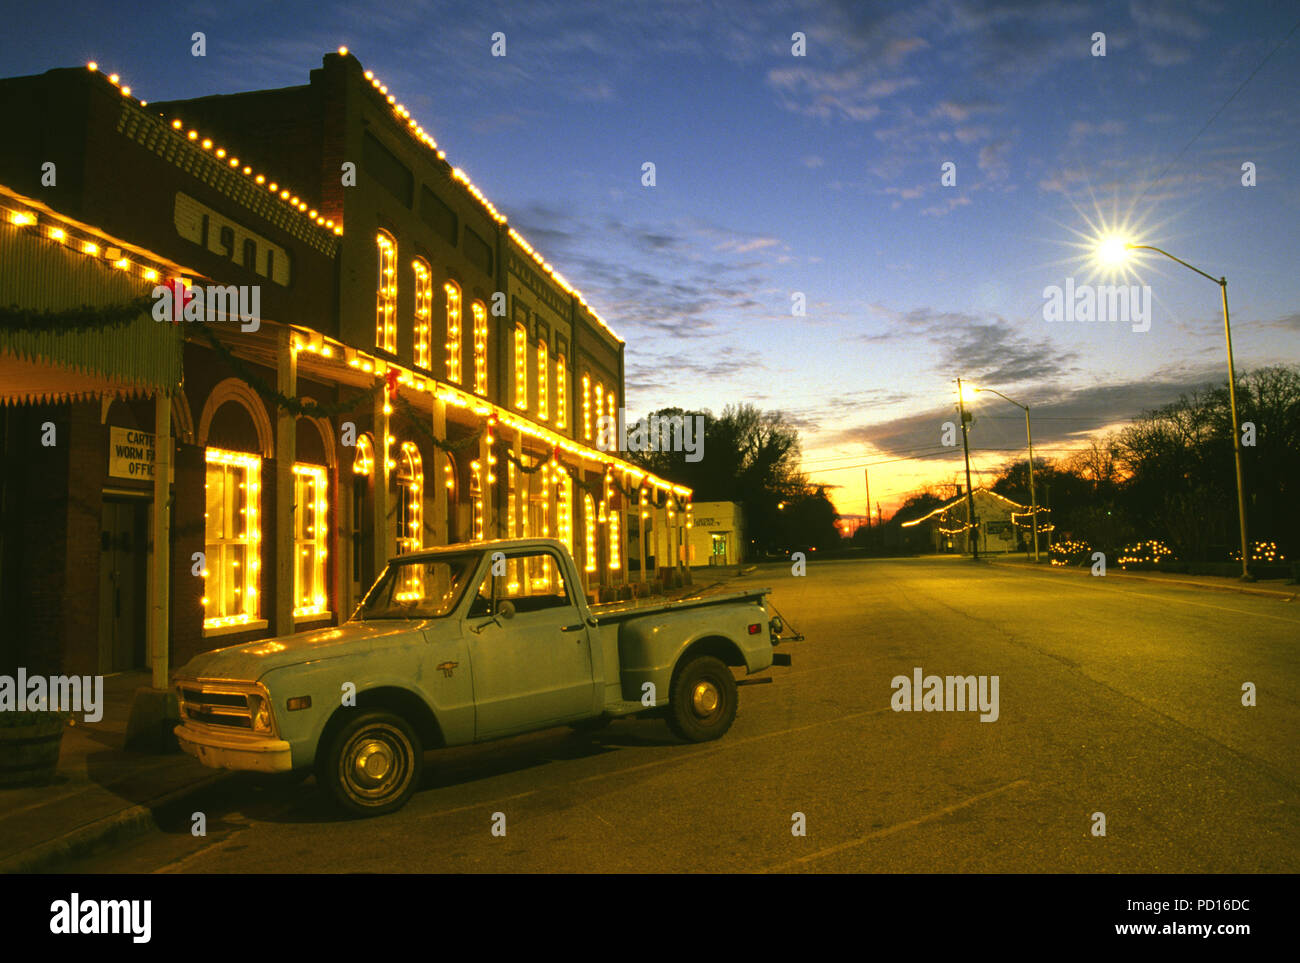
[{"x": 465, "y": 644}]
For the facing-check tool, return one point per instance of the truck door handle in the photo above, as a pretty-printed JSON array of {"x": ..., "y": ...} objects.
[{"x": 571, "y": 628}]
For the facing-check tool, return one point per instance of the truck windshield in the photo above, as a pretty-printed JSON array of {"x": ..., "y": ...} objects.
[{"x": 418, "y": 589}]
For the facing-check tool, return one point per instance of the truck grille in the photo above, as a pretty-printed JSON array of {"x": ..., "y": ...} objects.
[{"x": 215, "y": 707}]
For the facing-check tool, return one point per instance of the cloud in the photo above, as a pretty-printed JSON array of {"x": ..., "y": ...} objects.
[
  {"x": 1060, "y": 418},
  {"x": 989, "y": 349},
  {"x": 961, "y": 111},
  {"x": 993, "y": 159},
  {"x": 713, "y": 281}
]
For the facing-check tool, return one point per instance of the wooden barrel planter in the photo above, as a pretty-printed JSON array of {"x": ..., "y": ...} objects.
[{"x": 29, "y": 747}]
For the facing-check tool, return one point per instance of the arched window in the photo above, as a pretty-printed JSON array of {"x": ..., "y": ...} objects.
[
  {"x": 386, "y": 310},
  {"x": 521, "y": 367},
  {"x": 480, "y": 347},
  {"x": 543, "y": 376},
  {"x": 453, "y": 331},
  {"x": 449, "y": 493},
  {"x": 615, "y": 553},
  {"x": 586, "y": 406},
  {"x": 476, "y": 496},
  {"x": 561, "y": 393},
  {"x": 232, "y": 540},
  {"x": 410, "y": 498},
  {"x": 410, "y": 517},
  {"x": 423, "y": 310},
  {"x": 363, "y": 462},
  {"x": 309, "y": 528},
  {"x": 589, "y": 517},
  {"x": 565, "y": 508}
]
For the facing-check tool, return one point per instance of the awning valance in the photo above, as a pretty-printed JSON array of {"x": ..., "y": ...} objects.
[{"x": 105, "y": 351}]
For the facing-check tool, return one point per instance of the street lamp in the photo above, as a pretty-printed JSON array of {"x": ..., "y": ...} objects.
[
  {"x": 1033, "y": 502},
  {"x": 1114, "y": 250}
]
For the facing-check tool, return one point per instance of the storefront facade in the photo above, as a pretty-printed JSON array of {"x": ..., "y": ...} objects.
[{"x": 418, "y": 379}]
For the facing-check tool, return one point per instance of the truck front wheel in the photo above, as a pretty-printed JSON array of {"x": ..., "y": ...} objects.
[
  {"x": 702, "y": 703},
  {"x": 371, "y": 765}
]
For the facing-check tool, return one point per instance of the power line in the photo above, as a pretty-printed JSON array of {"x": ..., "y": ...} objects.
[{"x": 1224, "y": 107}]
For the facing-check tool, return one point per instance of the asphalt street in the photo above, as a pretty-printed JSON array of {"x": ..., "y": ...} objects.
[{"x": 1119, "y": 698}]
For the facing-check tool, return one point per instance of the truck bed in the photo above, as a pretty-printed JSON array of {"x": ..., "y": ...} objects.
[{"x": 609, "y": 612}]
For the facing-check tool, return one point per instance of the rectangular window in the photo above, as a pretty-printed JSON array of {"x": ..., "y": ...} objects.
[
  {"x": 543, "y": 376},
  {"x": 478, "y": 251},
  {"x": 521, "y": 367},
  {"x": 384, "y": 167},
  {"x": 232, "y": 538},
  {"x": 438, "y": 215},
  {"x": 309, "y": 525},
  {"x": 561, "y": 393}
]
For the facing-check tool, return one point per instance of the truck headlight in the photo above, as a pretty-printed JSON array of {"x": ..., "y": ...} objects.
[{"x": 261, "y": 713}]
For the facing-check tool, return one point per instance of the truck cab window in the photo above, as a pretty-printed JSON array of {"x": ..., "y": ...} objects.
[{"x": 534, "y": 583}]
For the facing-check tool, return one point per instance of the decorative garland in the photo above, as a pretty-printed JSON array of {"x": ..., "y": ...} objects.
[
  {"x": 296, "y": 406},
  {"x": 83, "y": 318},
  {"x": 451, "y": 447},
  {"x": 316, "y": 409}
]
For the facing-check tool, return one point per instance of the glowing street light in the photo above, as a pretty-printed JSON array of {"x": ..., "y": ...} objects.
[
  {"x": 1115, "y": 251},
  {"x": 1033, "y": 501}
]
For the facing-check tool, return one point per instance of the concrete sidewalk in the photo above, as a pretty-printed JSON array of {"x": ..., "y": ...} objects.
[
  {"x": 1273, "y": 588},
  {"x": 100, "y": 791}
]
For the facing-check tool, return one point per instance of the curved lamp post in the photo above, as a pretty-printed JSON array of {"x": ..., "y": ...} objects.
[
  {"x": 1113, "y": 251},
  {"x": 1033, "y": 502}
]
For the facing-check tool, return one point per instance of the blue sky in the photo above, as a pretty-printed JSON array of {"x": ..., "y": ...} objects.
[{"x": 820, "y": 174}]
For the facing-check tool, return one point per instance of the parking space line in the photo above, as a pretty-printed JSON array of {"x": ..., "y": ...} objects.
[{"x": 898, "y": 827}]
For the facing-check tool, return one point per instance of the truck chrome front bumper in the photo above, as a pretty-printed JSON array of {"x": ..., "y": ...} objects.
[{"x": 232, "y": 750}]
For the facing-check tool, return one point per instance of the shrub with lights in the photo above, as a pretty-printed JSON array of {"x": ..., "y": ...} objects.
[
  {"x": 1149, "y": 552},
  {"x": 1070, "y": 552},
  {"x": 1262, "y": 552}
]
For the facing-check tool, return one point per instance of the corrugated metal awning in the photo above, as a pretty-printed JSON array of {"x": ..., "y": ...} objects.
[{"x": 55, "y": 361}]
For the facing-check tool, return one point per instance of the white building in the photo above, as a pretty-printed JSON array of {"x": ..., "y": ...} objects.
[{"x": 717, "y": 535}]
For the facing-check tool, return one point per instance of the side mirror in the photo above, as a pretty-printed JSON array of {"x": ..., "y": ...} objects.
[{"x": 506, "y": 609}]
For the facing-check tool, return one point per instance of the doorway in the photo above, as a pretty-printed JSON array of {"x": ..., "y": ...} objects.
[{"x": 123, "y": 561}]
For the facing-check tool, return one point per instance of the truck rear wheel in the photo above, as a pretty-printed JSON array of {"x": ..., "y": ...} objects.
[
  {"x": 702, "y": 703},
  {"x": 371, "y": 765}
]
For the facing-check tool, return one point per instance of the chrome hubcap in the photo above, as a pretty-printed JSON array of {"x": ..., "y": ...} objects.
[
  {"x": 372, "y": 762},
  {"x": 704, "y": 698}
]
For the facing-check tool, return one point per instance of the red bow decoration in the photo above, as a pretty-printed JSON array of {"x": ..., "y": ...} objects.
[
  {"x": 390, "y": 381},
  {"x": 181, "y": 296}
]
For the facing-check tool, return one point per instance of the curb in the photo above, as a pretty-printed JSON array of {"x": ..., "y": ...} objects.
[
  {"x": 118, "y": 826},
  {"x": 1242, "y": 589}
]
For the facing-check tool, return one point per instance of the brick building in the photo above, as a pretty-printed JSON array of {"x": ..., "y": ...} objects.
[{"x": 404, "y": 370}]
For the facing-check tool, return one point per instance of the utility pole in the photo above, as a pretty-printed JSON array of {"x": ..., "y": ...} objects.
[
  {"x": 866, "y": 477},
  {"x": 972, "y": 531}
]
